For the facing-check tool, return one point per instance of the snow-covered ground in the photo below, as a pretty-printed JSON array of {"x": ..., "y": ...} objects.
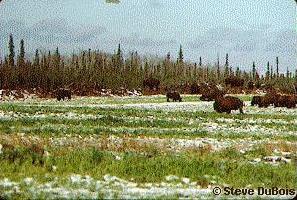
[{"x": 111, "y": 187}]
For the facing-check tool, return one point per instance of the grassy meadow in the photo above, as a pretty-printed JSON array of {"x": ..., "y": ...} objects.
[{"x": 144, "y": 147}]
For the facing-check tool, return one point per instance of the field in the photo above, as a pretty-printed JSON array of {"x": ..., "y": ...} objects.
[{"x": 145, "y": 147}]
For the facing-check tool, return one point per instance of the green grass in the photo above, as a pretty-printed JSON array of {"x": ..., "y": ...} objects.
[
  {"x": 136, "y": 121},
  {"x": 229, "y": 167},
  {"x": 152, "y": 165}
]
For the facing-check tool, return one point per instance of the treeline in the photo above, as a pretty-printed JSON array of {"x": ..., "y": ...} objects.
[{"x": 96, "y": 70}]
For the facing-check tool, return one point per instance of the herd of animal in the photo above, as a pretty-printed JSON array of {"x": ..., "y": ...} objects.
[
  {"x": 222, "y": 103},
  {"x": 213, "y": 92},
  {"x": 275, "y": 99}
]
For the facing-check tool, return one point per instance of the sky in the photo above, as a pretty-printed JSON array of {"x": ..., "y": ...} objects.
[{"x": 248, "y": 30}]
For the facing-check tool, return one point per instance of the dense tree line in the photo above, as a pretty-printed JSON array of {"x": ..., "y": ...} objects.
[{"x": 93, "y": 69}]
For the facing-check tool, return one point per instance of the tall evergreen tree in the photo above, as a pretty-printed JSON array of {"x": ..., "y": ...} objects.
[
  {"x": 218, "y": 67},
  {"x": 11, "y": 51},
  {"x": 277, "y": 69},
  {"x": 21, "y": 58},
  {"x": 200, "y": 61},
  {"x": 227, "y": 60},
  {"x": 237, "y": 73},
  {"x": 119, "y": 56},
  {"x": 168, "y": 56},
  {"x": 36, "y": 58},
  {"x": 268, "y": 71},
  {"x": 254, "y": 71},
  {"x": 180, "y": 55},
  {"x": 57, "y": 56}
]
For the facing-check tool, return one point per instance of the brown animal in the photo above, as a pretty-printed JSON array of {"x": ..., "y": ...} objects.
[
  {"x": 174, "y": 95},
  {"x": 227, "y": 104},
  {"x": 234, "y": 81},
  {"x": 256, "y": 100},
  {"x": 291, "y": 101},
  {"x": 267, "y": 100},
  {"x": 151, "y": 83},
  {"x": 288, "y": 101},
  {"x": 63, "y": 93}
]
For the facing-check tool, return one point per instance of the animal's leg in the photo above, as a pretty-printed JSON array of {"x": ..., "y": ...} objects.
[{"x": 241, "y": 111}]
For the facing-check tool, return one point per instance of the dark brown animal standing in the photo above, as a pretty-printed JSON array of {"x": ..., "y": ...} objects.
[
  {"x": 288, "y": 101},
  {"x": 267, "y": 100},
  {"x": 227, "y": 104},
  {"x": 63, "y": 93},
  {"x": 174, "y": 95},
  {"x": 291, "y": 101},
  {"x": 151, "y": 83},
  {"x": 256, "y": 100}
]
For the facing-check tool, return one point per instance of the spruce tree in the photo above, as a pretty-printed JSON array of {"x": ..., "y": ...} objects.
[
  {"x": 254, "y": 71},
  {"x": 277, "y": 62},
  {"x": 21, "y": 58},
  {"x": 227, "y": 60},
  {"x": 11, "y": 51},
  {"x": 57, "y": 57},
  {"x": 237, "y": 73},
  {"x": 36, "y": 59},
  {"x": 119, "y": 57},
  {"x": 268, "y": 71},
  {"x": 180, "y": 54},
  {"x": 218, "y": 68}
]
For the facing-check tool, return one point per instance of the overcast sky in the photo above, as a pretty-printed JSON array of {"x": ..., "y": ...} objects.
[{"x": 248, "y": 30}]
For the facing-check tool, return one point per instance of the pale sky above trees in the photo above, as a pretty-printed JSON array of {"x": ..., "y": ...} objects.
[{"x": 247, "y": 30}]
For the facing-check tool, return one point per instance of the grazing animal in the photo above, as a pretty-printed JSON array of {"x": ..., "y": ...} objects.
[
  {"x": 267, "y": 100},
  {"x": 234, "y": 81},
  {"x": 228, "y": 103},
  {"x": 288, "y": 101},
  {"x": 63, "y": 93},
  {"x": 151, "y": 83},
  {"x": 291, "y": 101},
  {"x": 256, "y": 100},
  {"x": 174, "y": 95}
]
